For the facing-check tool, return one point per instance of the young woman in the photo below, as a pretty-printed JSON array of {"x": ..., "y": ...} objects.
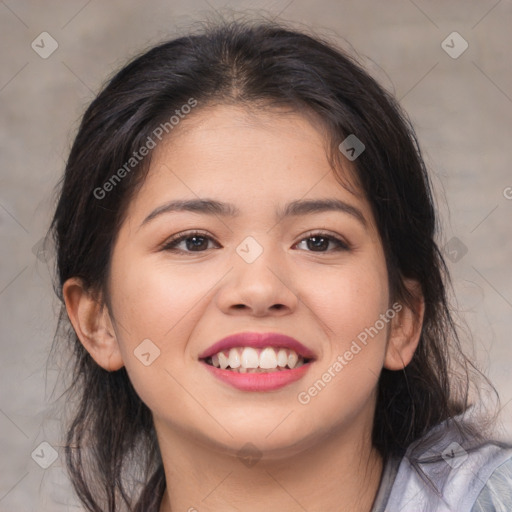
[{"x": 246, "y": 255}]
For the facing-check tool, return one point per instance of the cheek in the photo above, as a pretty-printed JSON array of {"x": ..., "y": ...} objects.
[
  {"x": 349, "y": 305},
  {"x": 350, "y": 300},
  {"x": 155, "y": 315},
  {"x": 153, "y": 299}
]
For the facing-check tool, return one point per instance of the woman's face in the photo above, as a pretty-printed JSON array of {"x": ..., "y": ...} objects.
[{"x": 254, "y": 271}]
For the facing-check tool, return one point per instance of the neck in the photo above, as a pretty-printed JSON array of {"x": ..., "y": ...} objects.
[{"x": 334, "y": 474}]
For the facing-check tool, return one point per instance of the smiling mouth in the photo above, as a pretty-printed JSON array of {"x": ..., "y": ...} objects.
[{"x": 254, "y": 360}]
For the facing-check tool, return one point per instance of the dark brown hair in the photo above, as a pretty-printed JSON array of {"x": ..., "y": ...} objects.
[{"x": 111, "y": 450}]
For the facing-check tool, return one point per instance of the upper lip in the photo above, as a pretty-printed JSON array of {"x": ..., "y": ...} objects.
[{"x": 258, "y": 340}]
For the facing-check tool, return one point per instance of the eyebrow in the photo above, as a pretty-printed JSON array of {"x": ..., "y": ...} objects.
[{"x": 294, "y": 208}]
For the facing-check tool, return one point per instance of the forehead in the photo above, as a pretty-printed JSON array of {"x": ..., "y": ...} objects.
[{"x": 251, "y": 158}]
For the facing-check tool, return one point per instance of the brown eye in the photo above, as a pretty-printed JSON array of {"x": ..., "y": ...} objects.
[
  {"x": 319, "y": 242},
  {"x": 193, "y": 242}
]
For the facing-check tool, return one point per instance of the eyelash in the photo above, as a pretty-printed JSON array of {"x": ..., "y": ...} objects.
[{"x": 171, "y": 244}]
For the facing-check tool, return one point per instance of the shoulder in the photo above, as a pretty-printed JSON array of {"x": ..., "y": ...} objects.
[
  {"x": 496, "y": 494},
  {"x": 443, "y": 471}
]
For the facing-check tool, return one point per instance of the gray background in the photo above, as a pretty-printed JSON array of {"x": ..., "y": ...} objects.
[{"x": 461, "y": 108}]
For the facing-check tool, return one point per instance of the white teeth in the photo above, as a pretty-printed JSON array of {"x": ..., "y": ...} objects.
[
  {"x": 282, "y": 358},
  {"x": 268, "y": 358},
  {"x": 250, "y": 358},
  {"x": 292, "y": 359},
  {"x": 234, "y": 358},
  {"x": 223, "y": 360}
]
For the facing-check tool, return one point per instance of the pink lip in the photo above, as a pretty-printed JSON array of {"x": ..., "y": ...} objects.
[
  {"x": 258, "y": 340},
  {"x": 258, "y": 381}
]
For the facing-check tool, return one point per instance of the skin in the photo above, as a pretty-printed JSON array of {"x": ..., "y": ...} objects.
[{"x": 314, "y": 457}]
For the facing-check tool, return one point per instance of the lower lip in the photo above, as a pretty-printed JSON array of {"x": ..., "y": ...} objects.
[{"x": 259, "y": 381}]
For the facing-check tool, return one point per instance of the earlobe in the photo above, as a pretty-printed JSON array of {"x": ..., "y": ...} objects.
[
  {"x": 405, "y": 332},
  {"x": 92, "y": 323}
]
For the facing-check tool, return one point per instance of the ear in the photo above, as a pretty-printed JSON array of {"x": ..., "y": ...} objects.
[
  {"x": 405, "y": 330},
  {"x": 92, "y": 323}
]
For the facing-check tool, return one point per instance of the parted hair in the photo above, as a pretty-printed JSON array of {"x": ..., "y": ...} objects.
[{"x": 112, "y": 454}]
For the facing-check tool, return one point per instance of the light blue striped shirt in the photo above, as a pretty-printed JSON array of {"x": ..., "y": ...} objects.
[{"x": 437, "y": 474}]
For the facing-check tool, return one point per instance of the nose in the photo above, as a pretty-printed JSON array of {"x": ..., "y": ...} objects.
[{"x": 259, "y": 288}]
